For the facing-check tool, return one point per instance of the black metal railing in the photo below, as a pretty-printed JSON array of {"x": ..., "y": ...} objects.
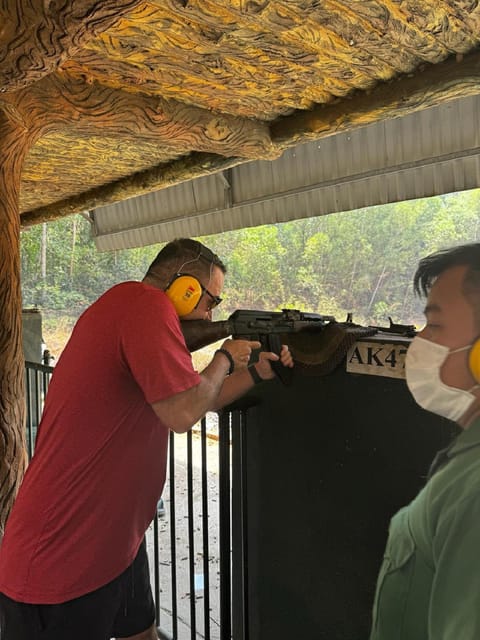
[
  {"x": 190, "y": 545},
  {"x": 37, "y": 378}
]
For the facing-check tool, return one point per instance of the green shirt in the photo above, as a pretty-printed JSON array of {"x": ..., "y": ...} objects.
[{"x": 428, "y": 587}]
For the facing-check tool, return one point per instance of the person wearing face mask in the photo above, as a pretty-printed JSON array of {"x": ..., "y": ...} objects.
[
  {"x": 428, "y": 587},
  {"x": 73, "y": 562}
]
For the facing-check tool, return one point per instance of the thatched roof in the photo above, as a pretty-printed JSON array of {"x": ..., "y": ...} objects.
[{"x": 122, "y": 97}]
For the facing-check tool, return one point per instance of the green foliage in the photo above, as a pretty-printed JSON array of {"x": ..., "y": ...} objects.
[
  {"x": 74, "y": 274},
  {"x": 253, "y": 263},
  {"x": 359, "y": 261}
]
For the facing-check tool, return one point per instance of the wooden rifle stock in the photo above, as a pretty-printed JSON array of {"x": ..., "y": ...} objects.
[{"x": 200, "y": 333}]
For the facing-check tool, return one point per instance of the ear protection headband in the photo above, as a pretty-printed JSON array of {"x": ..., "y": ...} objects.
[
  {"x": 185, "y": 292},
  {"x": 474, "y": 360}
]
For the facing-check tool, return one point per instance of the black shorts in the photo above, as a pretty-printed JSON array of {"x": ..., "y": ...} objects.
[{"x": 121, "y": 608}]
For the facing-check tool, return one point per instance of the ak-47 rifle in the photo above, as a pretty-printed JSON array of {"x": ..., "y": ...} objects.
[
  {"x": 266, "y": 327},
  {"x": 408, "y": 330}
]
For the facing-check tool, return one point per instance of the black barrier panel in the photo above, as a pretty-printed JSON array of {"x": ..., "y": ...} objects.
[
  {"x": 33, "y": 345},
  {"x": 328, "y": 461}
]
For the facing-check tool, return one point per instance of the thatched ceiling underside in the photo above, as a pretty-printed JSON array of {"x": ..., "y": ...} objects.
[{"x": 175, "y": 89}]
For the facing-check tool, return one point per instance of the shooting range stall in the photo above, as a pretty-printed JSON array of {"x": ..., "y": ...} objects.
[{"x": 318, "y": 469}]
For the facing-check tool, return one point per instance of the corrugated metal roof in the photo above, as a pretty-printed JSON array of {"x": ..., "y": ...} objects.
[{"x": 427, "y": 153}]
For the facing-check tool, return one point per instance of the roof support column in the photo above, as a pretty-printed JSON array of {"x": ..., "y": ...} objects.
[{"x": 14, "y": 143}]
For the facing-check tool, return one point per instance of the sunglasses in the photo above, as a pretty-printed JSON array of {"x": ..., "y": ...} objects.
[{"x": 214, "y": 300}]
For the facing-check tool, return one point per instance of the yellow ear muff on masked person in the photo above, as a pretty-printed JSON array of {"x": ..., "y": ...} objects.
[{"x": 474, "y": 360}]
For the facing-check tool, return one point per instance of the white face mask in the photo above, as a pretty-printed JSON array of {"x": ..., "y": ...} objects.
[{"x": 422, "y": 367}]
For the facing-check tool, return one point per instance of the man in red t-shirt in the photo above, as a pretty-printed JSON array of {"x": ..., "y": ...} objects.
[{"x": 73, "y": 563}]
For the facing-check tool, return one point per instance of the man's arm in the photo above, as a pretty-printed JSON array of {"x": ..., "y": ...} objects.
[
  {"x": 182, "y": 410},
  {"x": 236, "y": 385}
]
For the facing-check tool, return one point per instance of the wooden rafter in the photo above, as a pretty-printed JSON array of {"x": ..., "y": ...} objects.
[
  {"x": 194, "y": 166},
  {"x": 433, "y": 85},
  {"x": 60, "y": 102}
]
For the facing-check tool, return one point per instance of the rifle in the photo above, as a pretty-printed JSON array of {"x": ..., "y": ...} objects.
[
  {"x": 266, "y": 327},
  {"x": 408, "y": 330}
]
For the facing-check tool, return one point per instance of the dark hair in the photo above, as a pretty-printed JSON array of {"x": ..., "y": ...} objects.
[
  {"x": 184, "y": 251},
  {"x": 430, "y": 267}
]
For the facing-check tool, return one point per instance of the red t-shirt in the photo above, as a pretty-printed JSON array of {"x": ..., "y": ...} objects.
[{"x": 91, "y": 489}]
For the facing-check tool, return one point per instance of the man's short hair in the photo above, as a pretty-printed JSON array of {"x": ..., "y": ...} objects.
[
  {"x": 430, "y": 267},
  {"x": 185, "y": 255}
]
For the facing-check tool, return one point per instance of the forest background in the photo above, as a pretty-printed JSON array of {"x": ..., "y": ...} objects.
[{"x": 360, "y": 262}]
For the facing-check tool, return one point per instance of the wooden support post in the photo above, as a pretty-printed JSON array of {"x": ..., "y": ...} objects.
[{"x": 13, "y": 457}]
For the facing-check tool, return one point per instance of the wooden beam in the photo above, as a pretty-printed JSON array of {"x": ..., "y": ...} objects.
[
  {"x": 194, "y": 166},
  {"x": 60, "y": 102},
  {"x": 37, "y": 36},
  {"x": 433, "y": 85}
]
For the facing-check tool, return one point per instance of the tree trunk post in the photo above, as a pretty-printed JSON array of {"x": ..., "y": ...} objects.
[{"x": 13, "y": 456}]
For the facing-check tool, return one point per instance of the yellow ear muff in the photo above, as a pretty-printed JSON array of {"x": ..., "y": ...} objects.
[
  {"x": 474, "y": 360},
  {"x": 185, "y": 292}
]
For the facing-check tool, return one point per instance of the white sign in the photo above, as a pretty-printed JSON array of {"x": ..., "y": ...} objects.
[{"x": 377, "y": 359}]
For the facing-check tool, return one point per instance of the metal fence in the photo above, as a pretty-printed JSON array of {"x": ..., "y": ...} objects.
[
  {"x": 37, "y": 377},
  {"x": 193, "y": 577}
]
